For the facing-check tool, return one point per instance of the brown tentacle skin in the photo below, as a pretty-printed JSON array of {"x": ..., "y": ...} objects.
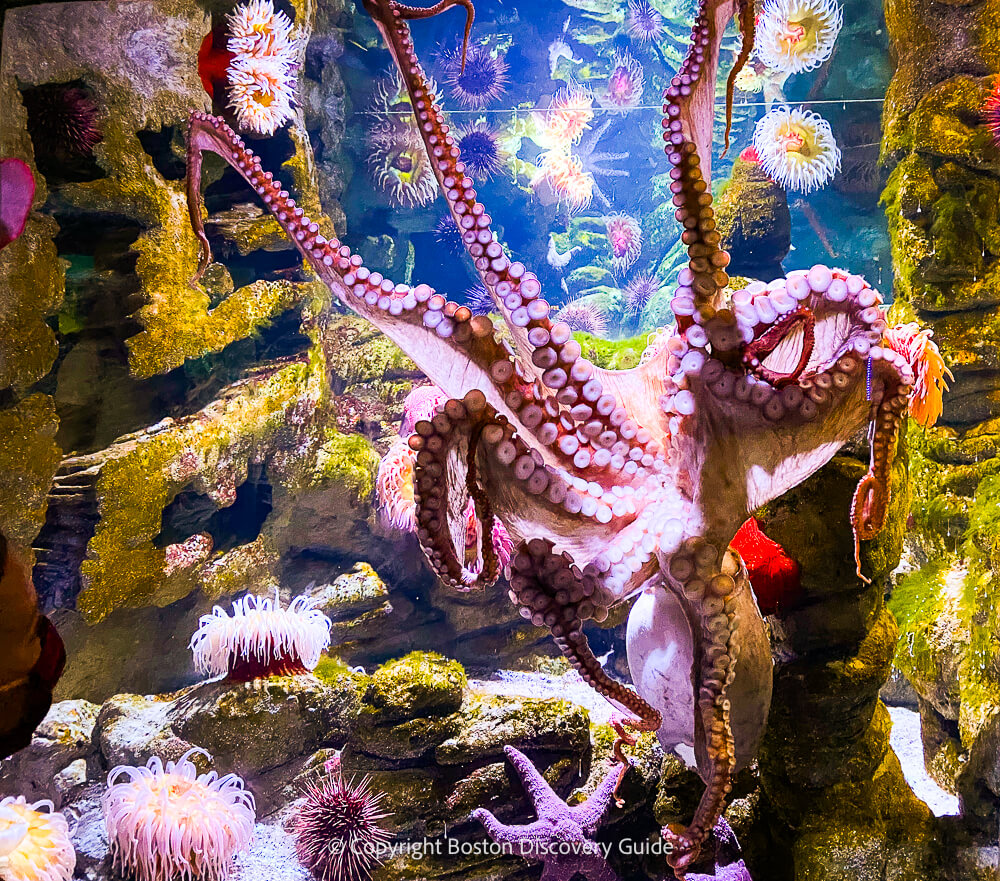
[
  {"x": 707, "y": 586},
  {"x": 550, "y": 590},
  {"x": 747, "y": 15}
]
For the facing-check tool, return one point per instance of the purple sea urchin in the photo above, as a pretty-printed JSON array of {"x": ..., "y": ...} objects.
[
  {"x": 338, "y": 835},
  {"x": 449, "y": 236},
  {"x": 480, "y": 150},
  {"x": 62, "y": 120},
  {"x": 583, "y": 316},
  {"x": 642, "y": 22},
  {"x": 638, "y": 293},
  {"x": 483, "y": 81},
  {"x": 479, "y": 301}
]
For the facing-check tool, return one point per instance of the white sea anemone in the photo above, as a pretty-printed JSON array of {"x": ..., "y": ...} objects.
[
  {"x": 796, "y": 148},
  {"x": 168, "y": 822},
  {"x": 262, "y": 73},
  {"x": 34, "y": 846},
  {"x": 797, "y": 35},
  {"x": 261, "y": 639}
]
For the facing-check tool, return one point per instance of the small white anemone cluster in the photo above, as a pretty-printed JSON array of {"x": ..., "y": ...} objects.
[
  {"x": 167, "y": 823},
  {"x": 797, "y": 35},
  {"x": 34, "y": 842},
  {"x": 260, "y": 633},
  {"x": 796, "y": 148},
  {"x": 262, "y": 73}
]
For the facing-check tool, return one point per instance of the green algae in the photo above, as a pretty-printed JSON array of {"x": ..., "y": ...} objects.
[
  {"x": 611, "y": 354},
  {"x": 421, "y": 683}
]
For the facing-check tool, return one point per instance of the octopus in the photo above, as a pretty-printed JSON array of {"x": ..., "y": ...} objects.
[{"x": 616, "y": 485}]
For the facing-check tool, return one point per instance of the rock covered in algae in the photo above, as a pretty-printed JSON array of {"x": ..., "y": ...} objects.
[{"x": 753, "y": 219}]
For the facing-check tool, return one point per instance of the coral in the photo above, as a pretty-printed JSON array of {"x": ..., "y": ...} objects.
[
  {"x": 481, "y": 82},
  {"x": 991, "y": 112},
  {"x": 562, "y": 836},
  {"x": 449, "y": 236},
  {"x": 642, "y": 22},
  {"x": 797, "y": 35},
  {"x": 623, "y": 90},
  {"x": 62, "y": 121},
  {"x": 478, "y": 299},
  {"x": 261, "y": 639},
  {"x": 338, "y": 835},
  {"x": 399, "y": 166},
  {"x": 34, "y": 845},
  {"x": 479, "y": 149},
  {"x": 638, "y": 292},
  {"x": 165, "y": 822},
  {"x": 17, "y": 191},
  {"x": 583, "y": 316},
  {"x": 625, "y": 238},
  {"x": 262, "y": 72},
  {"x": 796, "y": 148}
]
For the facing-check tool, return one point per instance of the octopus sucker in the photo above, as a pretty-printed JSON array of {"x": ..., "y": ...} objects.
[{"x": 614, "y": 484}]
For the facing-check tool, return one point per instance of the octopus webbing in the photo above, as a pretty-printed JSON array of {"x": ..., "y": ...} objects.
[{"x": 614, "y": 484}]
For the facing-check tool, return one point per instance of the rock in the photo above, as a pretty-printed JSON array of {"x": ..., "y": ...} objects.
[
  {"x": 56, "y": 761},
  {"x": 271, "y": 856},
  {"x": 263, "y": 731},
  {"x": 422, "y": 683}
]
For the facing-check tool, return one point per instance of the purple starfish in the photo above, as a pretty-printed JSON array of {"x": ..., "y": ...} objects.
[
  {"x": 561, "y": 836},
  {"x": 729, "y": 865}
]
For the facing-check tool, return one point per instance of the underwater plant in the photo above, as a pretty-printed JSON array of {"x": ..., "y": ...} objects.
[
  {"x": 17, "y": 192},
  {"x": 583, "y": 316},
  {"x": 62, "y": 120},
  {"x": 338, "y": 831},
  {"x": 625, "y": 238},
  {"x": 260, "y": 639},
  {"x": 642, "y": 21},
  {"x": 34, "y": 842},
  {"x": 623, "y": 90},
  {"x": 797, "y": 35},
  {"x": 475, "y": 76},
  {"x": 165, "y": 823},
  {"x": 796, "y": 148},
  {"x": 562, "y": 836},
  {"x": 480, "y": 150},
  {"x": 639, "y": 291},
  {"x": 262, "y": 71},
  {"x": 638, "y": 478}
]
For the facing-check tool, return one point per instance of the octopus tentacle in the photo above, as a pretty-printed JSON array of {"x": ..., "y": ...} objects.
[
  {"x": 546, "y": 351},
  {"x": 707, "y": 585},
  {"x": 747, "y": 16}
]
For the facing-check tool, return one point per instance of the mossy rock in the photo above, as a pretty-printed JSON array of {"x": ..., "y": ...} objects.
[
  {"x": 487, "y": 724},
  {"x": 410, "y": 739},
  {"x": 420, "y": 684}
]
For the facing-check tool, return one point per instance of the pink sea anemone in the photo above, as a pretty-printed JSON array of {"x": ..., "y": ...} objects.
[
  {"x": 168, "y": 823},
  {"x": 583, "y": 316},
  {"x": 564, "y": 174},
  {"x": 17, "y": 191},
  {"x": 567, "y": 117},
  {"x": 625, "y": 238},
  {"x": 991, "y": 112},
  {"x": 262, "y": 71},
  {"x": 261, "y": 639},
  {"x": 394, "y": 487},
  {"x": 797, "y": 35},
  {"x": 34, "y": 842},
  {"x": 338, "y": 832},
  {"x": 623, "y": 90},
  {"x": 642, "y": 22}
]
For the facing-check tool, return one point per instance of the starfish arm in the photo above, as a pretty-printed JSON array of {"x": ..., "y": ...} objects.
[
  {"x": 592, "y": 811},
  {"x": 547, "y": 804}
]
